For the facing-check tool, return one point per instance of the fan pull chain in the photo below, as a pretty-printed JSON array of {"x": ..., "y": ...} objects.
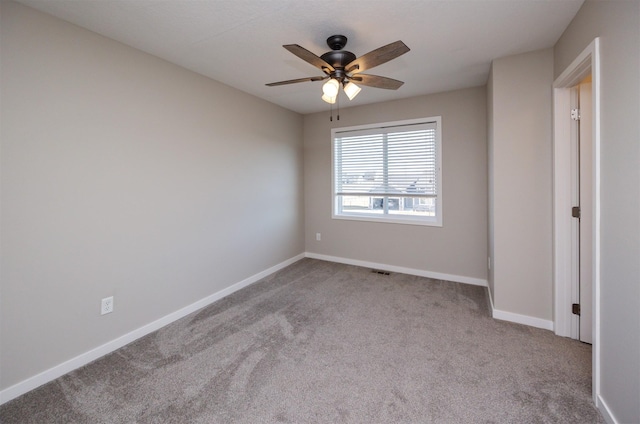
[{"x": 338, "y": 109}]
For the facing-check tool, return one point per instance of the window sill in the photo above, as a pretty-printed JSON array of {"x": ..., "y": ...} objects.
[{"x": 403, "y": 220}]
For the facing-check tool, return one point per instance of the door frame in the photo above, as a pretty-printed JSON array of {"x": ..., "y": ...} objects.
[{"x": 587, "y": 62}]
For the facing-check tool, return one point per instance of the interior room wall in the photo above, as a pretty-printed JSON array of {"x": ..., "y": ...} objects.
[
  {"x": 457, "y": 248},
  {"x": 124, "y": 175},
  {"x": 521, "y": 185},
  {"x": 617, "y": 23}
]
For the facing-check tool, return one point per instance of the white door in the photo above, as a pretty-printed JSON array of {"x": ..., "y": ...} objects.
[
  {"x": 582, "y": 199},
  {"x": 586, "y": 212}
]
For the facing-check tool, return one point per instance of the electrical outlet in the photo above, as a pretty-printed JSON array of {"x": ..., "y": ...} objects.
[
  {"x": 318, "y": 236},
  {"x": 107, "y": 305}
]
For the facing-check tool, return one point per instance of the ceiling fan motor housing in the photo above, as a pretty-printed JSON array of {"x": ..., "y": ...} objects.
[{"x": 338, "y": 58}]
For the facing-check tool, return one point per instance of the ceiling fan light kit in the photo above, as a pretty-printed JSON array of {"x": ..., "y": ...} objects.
[
  {"x": 331, "y": 88},
  {"x": 328, "y": 99},
  {"x": 342, "y": 68},
  {"x": 351, "y": 90}
]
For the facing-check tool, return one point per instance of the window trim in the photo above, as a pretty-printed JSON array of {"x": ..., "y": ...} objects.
[{"x": 393, "y": 219}]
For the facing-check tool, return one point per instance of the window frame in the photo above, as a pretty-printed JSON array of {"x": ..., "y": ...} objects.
[{"x": 433, "y": 221}]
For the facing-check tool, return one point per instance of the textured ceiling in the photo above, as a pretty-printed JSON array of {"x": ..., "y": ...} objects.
[{"x": 239, "y": 42}]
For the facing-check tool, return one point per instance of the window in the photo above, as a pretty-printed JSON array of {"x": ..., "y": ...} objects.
[{"x": 388, "y": 172}]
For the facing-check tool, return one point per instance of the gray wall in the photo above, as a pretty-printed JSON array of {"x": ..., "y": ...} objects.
[
  {"x": 125, "y": 175},
  {"x": 617, "y": 23},
  {"x": 521, "y": 184},
  {"x": 459, "y": 247}
]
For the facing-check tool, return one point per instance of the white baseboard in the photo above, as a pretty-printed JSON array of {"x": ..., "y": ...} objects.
[
  {"x": 605, "y": 411},
  {"x": 522, "y": 319},
  {"x": 400, "y": 269},
  {"x": 83, "y": 359},
  {"x": 517, "y": 318}
]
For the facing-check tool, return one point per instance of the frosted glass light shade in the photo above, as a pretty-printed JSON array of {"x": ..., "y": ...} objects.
[
  {"x": 329, "y": 99},
  {"x": 351, "y": 90},
  {"x": 331, "y": 87}
]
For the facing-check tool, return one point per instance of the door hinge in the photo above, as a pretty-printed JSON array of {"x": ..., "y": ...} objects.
[
  {"x": 575, "y": 309},
  {"x": 575, "y": 212},
  {"x": 575, "y": 114}
]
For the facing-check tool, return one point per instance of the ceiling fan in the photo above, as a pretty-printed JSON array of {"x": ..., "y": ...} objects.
[{"x": 342, "y": 68}]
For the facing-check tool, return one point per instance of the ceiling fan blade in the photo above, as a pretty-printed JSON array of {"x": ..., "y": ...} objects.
[
  {"x": 377, "y": 57},
  {"x": 273, "y": 84},
  {"x": 309, "y": 57},
  {"x": 376, "y": 81}
]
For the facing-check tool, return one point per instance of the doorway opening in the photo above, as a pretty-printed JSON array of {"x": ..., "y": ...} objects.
[{"x": 576, "y": 197}]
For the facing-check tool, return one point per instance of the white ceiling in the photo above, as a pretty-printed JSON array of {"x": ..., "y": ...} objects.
[{"x": 239, "y": 42}]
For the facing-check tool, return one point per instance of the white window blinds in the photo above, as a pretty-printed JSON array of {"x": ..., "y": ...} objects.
[{"x": 387, "y": 170}]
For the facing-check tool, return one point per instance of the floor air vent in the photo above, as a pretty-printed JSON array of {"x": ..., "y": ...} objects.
[{"x": 379, "y": 271}]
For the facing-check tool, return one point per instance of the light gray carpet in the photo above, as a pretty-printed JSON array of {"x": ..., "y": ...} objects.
[{"x": 327, "y": 343}]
